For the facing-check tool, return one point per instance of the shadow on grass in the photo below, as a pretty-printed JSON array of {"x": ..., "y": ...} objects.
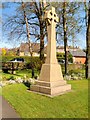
[{"x": 27, "y": 84}]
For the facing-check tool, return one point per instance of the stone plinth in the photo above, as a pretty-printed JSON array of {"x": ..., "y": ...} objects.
[
  {"x": 51, "y": 79},
  {"x": 51, "y": 88}
]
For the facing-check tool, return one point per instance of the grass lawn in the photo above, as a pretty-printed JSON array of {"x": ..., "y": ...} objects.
[
  {"x": 31, "y": 105},
  {"x": 19, "y": 73}
]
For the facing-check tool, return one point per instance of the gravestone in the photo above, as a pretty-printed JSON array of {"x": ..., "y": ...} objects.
[{"x": 51, "y": 79}]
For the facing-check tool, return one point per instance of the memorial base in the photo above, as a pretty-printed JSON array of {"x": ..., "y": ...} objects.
[{"x": 51, "y": 82}]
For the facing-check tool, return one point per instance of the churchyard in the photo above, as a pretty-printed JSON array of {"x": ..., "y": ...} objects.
[
  {"x": 32, "y": 105},
  {"x": 28, "y": 104},
  {"x": 49, "y": 94}
]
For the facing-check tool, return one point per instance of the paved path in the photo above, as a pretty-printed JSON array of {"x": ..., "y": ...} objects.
[{"x": 6, "y": 110}]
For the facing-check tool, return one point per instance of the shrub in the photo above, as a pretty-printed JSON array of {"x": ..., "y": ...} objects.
[
  {"x": 35, "y": 63},
  {"x": 7, "y": 58},
  {"x": 61, "y": 56}
]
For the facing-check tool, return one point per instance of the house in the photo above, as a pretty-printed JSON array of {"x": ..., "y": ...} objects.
[
  {"x": 24, "y": 49},
  {"x": 60, "y": 49},
  {"x": 78, "y": 56},
  {"x": 12, "y": 51}
]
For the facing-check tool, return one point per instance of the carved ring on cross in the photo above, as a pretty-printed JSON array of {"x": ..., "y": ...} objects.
[{"x": 51, "y": 16}]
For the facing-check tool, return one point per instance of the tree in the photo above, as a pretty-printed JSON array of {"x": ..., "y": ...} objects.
[
  {"x": 4, "y": 51},
  {"x": 65, "y": 35},
  {"x": 35, "y": 20},
  {"x": 87, "y": 41},
  {"x": 28, "y": 36},
  {"x": 27, "y": 28},
  {"x": 69, "y": 25},
  {"x": 39, "y": 9}
]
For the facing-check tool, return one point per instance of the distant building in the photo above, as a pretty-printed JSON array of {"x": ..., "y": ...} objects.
[
  {"x": 24, "y": 49},
  {"x": 60, "y": 49},
  {"x": 78, "y": 56},
  {"x": 13, "y": 51}
]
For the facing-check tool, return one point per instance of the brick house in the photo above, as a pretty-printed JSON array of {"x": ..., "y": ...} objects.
[{"x": 78, "y": 56}]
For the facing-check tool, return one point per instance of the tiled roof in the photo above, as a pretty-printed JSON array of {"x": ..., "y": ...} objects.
[{"x": 79, "y": 53}]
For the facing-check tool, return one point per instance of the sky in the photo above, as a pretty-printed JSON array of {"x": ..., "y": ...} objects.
[{"x": 10, "y": 10}]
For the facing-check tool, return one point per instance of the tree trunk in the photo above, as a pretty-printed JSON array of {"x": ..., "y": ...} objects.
[
  {"x": 28, "y": 37},
  {"x": 41, "y": 22},
  {"x": 65, "y": 36},
  {"x": 88, "y": 46},
  {"x": 41, "y": 42},
  {"x": 27, "y": 29}
]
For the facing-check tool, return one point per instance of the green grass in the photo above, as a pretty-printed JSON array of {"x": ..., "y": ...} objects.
[
  {"x": 31, "y": 105},
  {"x": 19, "y": 73}
]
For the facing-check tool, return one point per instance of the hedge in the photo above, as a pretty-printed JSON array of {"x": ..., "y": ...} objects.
[{"x": 33, "y": 62}]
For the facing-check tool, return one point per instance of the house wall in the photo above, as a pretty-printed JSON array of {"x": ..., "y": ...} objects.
[
  {"x": 28, "y": 54},
  {"x": 79, "y": 60},
  {"x": 35, "y": 54},
  {"x": 21, "y": 54},
  {"x": 60, "y": 50}
]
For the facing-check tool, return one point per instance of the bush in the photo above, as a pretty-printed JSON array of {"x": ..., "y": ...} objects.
[
  {"x": 35, "y": 63},
  {"x": 7, "y": 58},
  {"x": 61, "y": 56},
  {"x": 70, "y": 59}
]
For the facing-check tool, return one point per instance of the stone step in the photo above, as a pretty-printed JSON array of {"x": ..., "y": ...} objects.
[
  {"x": 51, "y": 90},
  {"x": 60, "y": 89},
  {"x": 50, "y": 84}
]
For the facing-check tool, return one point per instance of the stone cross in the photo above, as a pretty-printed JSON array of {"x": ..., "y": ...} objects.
[
  {"x": 51, "y": 81},
  {"x": 51, "y": 18}
]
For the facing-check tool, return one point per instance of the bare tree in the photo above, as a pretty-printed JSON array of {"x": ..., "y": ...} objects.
[
  {"x": 65, "y": 35},
  {"x": 28, "y": 36},
  {"x": 35, "y": 20},
  {"x": 27, "y": 28},
  {"x": 87, "y": 11}
]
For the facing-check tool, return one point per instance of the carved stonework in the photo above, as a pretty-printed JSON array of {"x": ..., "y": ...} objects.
[{"x": 51, "y": 16}]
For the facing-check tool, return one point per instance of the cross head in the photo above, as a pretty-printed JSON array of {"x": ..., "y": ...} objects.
[{"x": 51, "y": 16}]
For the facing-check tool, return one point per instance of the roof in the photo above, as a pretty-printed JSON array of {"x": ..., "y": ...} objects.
[
  {"x": 13, "y": 49},
  {"x": 79, "y": 53},
  {"x": 25, "y": 48},
  {"x": 69, "y": 47}
]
